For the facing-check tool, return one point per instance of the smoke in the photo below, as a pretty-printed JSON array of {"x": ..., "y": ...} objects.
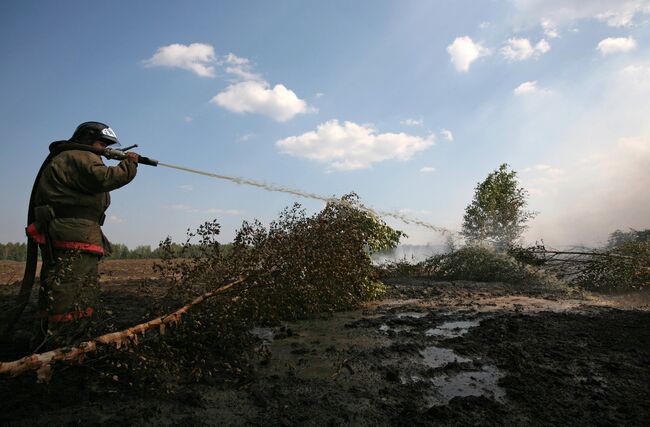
[
  {"x": 605, "y": 191},
  {"x": 597, "y": 179}
]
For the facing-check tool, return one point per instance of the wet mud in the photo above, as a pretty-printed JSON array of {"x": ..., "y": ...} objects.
[{"x": 430, "y": 353}]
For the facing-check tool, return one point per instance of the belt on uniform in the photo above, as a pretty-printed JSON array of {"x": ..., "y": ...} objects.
[{"x": 70, "y": 211}]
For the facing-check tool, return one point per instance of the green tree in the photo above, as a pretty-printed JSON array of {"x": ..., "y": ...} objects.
[
  {"x": 119, "y": 251},
  {"x": 497, "y": 213},
  {"x": 618, "y": 237},
  {"x": 141, "y": 252}
]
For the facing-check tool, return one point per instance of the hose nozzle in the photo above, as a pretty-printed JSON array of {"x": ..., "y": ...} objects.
[{"x": 115, "y": 154}]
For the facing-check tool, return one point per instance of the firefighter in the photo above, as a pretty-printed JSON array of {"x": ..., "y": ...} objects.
[{"x": 70, "y": 201}]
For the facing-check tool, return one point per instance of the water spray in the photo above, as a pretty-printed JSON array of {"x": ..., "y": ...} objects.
[
  {"x": 306, "y": 195},
  {"x": 120, "y": 154}
]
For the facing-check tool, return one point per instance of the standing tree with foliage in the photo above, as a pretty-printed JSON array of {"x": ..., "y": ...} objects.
[
  {"x": 618, "y": 237},
  {"x": 497, "y": 213}
]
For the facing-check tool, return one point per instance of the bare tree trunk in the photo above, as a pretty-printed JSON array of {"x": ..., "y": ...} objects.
[{"x": 42, "y": 363}]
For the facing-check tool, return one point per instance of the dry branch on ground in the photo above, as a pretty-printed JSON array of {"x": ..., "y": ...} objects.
[{"x": 42, "y": 362}]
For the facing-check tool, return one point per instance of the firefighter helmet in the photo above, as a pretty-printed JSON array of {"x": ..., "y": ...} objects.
[{"x": 89, "y": 132}]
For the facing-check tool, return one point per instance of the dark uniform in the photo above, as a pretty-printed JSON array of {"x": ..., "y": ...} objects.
[{"x": 75, "y": 187}]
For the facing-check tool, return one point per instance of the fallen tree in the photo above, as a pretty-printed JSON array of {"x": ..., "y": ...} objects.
[
  {"x": 42, "y": 362},
  {"x": 620, "y": 268},
  {"x": 297, "y": 267}
]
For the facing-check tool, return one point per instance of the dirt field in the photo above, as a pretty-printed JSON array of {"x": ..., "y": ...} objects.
[
  {"x": 111, "y": 271},
  {"x": 430, "y": 353}
]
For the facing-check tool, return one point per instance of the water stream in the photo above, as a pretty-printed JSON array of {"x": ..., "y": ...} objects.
[{"x": 272, "y": 187}]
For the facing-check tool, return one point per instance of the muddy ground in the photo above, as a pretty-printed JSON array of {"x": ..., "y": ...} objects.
[{"x": 430, "y": 353}]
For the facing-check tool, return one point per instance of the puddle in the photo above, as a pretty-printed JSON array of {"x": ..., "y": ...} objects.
[
  {"x": 446, "y": 386},
  {"x": 265, "y": 334},
  {"x": 437, "y": 357},
  {"x": 390, "y": 303},
  {"x": 463, "y": 384},
  {"x": 525, "y": 304},
  {"x": 411, "y": 314},
  {"x": 452, "y": 329}
]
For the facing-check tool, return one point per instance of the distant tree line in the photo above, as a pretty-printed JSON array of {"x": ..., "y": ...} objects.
[
  {"x": 13, "y": 251},
  {"x": 18, "y": 251},
  {"x": 121, "y": 251}
]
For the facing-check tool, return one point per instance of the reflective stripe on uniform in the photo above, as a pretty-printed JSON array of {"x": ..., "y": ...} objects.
[
  {"x": 34, "y": 234},
  {"x": 69, "y": 316},
  {"x": 40, "y": 239}
]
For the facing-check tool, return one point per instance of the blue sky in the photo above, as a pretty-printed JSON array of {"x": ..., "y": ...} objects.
[{"x": 409, "y": 104}]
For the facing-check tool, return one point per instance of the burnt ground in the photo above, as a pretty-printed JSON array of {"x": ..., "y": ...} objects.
[{"x": 430, "y": 353}]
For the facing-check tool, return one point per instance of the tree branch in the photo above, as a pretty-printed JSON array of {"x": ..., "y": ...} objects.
[{"x": 42, "y": 363}]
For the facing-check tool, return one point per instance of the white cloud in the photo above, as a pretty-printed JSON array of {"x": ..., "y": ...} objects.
[
  {"x": 428, "y": 169},
  {"x": 525, "y": 88},
  {"x": 464, "y": 51},
  {"x": 188, "y": 119},
  {"x": 616, "y": 44},
  {"x": 550, "y": 30},
  {"x": 248, "y": 93},
  {"x": 279, "y": 103},
  {"x": 412, "y": 122},
  {"x": 530, "y": 87},
  {"x": 233, "y": 59},
  {"x": 518, "y": 49},
  {"x": 240, "y": 68},
  {"x": 542, "y": 46},
  {"x": 615, "y": 13},
  {"x": 196, "y": 57},
  {"x": 446, "y": 133},
  {"x": 622, "y": 12},
  {"x": 319, "y": 95},
  {"x": 350, "y": 146},
  {"x": 242, "y": 73}
]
